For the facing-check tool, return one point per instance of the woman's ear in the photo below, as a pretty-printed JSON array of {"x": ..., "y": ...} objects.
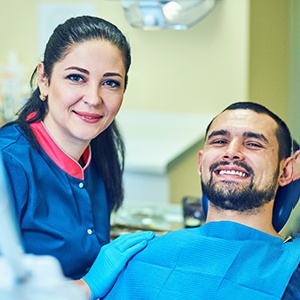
[
  {"x": 296, "y": 165},
  {"x": 287, "y": 172},
  {"x": 43, "y": 80},
  {"x": 200, "y": 155}
]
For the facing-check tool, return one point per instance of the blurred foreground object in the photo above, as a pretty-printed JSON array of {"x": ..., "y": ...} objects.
[
  {"x": 161, "y": 218},
  {"x": 193, "y": 214},
  {"x": 44, "y": 281},
  {"x": 26, "y": 276}
]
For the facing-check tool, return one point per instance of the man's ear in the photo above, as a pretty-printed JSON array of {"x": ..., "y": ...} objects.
[
  {"x": 200, "y": 155},
  {"x": 287, "y": 172},
  {"x": 43, "y": 80},
  {"x": 296, "y": 165}
]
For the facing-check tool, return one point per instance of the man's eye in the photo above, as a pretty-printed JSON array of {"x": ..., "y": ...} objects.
[
  {"x": 112, "y": 83},
  {"x": 75, "y": 77},
  {"x": 218, "y": 142},
  {"x": 255, "y": 145}
]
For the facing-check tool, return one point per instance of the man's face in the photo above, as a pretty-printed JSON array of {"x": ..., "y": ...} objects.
[{"x": 239, "y": 162}]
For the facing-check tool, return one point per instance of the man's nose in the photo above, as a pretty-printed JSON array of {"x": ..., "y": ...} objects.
[{"x": 234, "y": 151}]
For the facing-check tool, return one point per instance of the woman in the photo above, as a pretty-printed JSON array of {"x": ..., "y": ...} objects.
[{"x": 64, "y": 154}]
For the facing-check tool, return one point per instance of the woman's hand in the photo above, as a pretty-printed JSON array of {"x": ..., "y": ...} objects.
[{"x": 112, "y": 259}]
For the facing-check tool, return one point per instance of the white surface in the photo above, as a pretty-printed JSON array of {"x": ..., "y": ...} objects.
[
  {"x": 45, "y": 281},
  {"x": 141, "y": 187},
  {"x": 153, "y": 139}
]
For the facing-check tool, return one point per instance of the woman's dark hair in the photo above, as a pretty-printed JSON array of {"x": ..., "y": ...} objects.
[
  {"x": 107, "y": 148},
  {"x": 282, "y": 132}
]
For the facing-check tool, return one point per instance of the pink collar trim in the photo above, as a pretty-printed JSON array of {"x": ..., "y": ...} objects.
[{"x": 58, "y": 155}]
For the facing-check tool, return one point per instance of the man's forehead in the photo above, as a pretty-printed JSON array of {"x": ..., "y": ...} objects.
[{"x": 241, "y": 120}]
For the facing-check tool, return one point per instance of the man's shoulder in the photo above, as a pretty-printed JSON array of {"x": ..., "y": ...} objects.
[
  {"x": 293, "y": 289},
  {"x": 169, "y": 246}
]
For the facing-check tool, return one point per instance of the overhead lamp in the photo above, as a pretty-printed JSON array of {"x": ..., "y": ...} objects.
[{"x": 166, "y": 14}]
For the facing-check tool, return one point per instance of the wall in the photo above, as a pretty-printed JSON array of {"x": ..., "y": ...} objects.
[
  {"x": 240, "y": 51},
  {"x": 269, "y": 54},
  {"x": 178, "y": 71},
  {"x": 294, "y": 70}
]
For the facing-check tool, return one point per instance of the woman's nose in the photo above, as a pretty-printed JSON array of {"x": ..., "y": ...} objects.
[{"x": 93, "y": 96}]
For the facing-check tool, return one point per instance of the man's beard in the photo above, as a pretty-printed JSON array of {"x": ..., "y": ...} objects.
[{"x": 231, "y": 197}]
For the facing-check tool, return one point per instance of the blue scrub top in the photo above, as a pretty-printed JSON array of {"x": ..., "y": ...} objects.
[{"x": 62, "y": 209}]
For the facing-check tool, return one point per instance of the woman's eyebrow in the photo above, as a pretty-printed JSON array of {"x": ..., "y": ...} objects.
[
  {"x": 78, "y": 69},
  {"x": 112, "y": 74},
  {"x": 108, "y": 74}
]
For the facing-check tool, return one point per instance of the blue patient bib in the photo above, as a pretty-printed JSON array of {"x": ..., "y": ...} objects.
[{"x": 220, "y": 260}]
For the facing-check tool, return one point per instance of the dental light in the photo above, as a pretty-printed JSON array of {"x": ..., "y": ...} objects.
[{"x": 166, "y": 14}]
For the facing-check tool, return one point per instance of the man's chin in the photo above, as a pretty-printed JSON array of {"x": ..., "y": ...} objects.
[{"x": 229, "y": 189}]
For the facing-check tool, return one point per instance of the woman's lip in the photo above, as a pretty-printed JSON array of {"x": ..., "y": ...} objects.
[{"x": 88, "y": 117}]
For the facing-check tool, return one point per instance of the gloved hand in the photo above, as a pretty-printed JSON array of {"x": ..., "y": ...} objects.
[{"x": 112, "y": 259}]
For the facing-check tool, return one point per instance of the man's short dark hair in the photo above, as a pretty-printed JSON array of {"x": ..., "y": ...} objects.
[{"x": 282, "y": 132}]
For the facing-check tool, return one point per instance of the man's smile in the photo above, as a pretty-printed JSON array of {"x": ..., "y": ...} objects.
[{"x": 232, "y": 172}]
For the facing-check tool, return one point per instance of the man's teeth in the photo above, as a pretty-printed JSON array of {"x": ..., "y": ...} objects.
[{"x": 232, "y": 172}]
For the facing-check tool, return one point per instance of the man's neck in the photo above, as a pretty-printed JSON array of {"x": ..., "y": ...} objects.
[{"x": 260, "y": 219}]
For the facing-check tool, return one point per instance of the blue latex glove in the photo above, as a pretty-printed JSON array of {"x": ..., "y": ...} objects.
[{"x": 112, "y": 259}]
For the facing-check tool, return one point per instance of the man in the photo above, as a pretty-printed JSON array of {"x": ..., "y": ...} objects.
[{"x": 237, "y": 254}]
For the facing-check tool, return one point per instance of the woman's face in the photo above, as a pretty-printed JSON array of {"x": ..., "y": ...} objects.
[{"x": 85, "y": 92}]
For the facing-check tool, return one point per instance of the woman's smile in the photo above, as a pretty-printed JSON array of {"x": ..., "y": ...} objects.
[{"x": 88, "y": 117}]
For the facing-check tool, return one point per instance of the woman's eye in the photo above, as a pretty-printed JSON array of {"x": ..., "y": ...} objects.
[
  {"x": 112, "y": 83},
  {"x": 75, "y": 77}
]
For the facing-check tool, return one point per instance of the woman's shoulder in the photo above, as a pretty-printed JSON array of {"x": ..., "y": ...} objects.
[{"x": 13, "y": 140}]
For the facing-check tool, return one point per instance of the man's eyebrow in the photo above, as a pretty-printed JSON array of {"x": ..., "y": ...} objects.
[
  {"x": 255, "y": 135},
  {"x": 218, "y": 132},
  {"x": 247, "y": 134}
]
